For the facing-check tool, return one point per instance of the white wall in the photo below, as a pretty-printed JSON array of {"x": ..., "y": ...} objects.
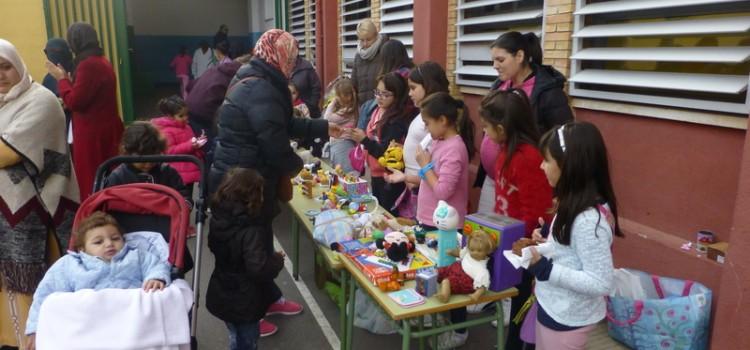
[
  {"x": 261, "y": 14},
  {"x": 188, "y": 17}
]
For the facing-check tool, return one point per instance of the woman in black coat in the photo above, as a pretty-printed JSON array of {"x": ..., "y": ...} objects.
[{"x": 255, "y": 124}]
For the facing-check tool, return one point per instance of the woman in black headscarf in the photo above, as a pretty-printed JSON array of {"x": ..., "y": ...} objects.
[{"x": 58, "y": 52}]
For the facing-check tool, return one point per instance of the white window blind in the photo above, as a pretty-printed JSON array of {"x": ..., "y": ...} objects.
[
  {"x": 352, "y": 12},
  {"x": 311, "y": 31},
  {"x": 479, "y": 23},
  {"x": 397, "y": 22},
  {"x": 680, "y": 53},
  {"x": 297, "y": 27}
]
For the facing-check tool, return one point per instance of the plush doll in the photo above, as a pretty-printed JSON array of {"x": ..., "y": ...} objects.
[
  {"x": 397, "y": 246},
  {"x": 393, "y": 157},
  {"x": 468, "y": 275}
]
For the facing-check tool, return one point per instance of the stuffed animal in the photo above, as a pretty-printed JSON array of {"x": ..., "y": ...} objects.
[
  {"x": 393, "y": 157},
  {"x": 470, "y": 274},
  {"x": 397, "y": 246}
]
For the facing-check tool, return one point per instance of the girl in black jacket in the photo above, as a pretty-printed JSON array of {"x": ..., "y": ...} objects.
[
  {"x": 241, "y": 286},
  {"x": 388, "y": 122}
]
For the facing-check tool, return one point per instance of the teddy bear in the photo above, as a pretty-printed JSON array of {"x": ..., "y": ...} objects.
[{"x": 393, "y": 157}]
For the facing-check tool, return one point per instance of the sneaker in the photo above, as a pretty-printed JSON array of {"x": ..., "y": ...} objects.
[
  {"x": 267, "y": 328},
  {"x": 506, "y": 313},
  {"x": 477, "y": 308},
  {"x": 284, "y": 307},
  {"x": 451, "y": 340}
]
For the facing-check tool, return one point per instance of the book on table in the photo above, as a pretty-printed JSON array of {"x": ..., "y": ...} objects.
[{"x": 407, "y": 297}]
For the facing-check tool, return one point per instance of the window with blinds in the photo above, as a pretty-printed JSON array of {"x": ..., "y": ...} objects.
[
  {"x": 679, "y": 53},
  {"x": 311, "y": 31},
  {"x": 479, "y": 23},
  {"x": 297, "y": 27},
  {"x": 397, "y": 22},
  {"x": 352, "y": 12}
]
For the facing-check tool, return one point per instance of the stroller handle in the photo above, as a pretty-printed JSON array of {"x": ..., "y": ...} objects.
[{"x": 103, "y": 169}]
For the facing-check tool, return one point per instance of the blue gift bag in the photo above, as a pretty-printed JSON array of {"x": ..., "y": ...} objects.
[{"x": 666, "y": 313}]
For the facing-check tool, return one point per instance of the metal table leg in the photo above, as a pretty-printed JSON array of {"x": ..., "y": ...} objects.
[
  {"x": 342, "y": 307},
  {"x": 295, "y": 249},
  {"x": 500, "y": 325},
  {"x": 350, "y": 313},
  {"x": 421, "y": 328},
  {"x": 406, "y": 335}
]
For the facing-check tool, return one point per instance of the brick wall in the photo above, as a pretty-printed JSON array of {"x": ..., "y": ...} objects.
[
  {"x": 558, "y": 26},
  {"x": 450, "y": 65}
]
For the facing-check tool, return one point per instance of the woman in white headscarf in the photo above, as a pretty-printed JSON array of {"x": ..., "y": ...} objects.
[{"x": 38, "y": 190}]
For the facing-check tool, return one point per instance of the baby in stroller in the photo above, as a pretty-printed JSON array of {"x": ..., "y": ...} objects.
[{"x": 101, "y": 260}]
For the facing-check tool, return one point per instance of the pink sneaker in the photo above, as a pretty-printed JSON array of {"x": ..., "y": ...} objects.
[
  {"x": 285, "y": 307},
  {"x": 267, "y": 328}
]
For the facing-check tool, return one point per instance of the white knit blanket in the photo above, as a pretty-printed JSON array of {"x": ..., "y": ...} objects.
[{"x": 112, "y": 319}]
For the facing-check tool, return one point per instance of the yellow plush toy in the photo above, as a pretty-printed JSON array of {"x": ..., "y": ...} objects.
[{"x": 393, "y": 157}]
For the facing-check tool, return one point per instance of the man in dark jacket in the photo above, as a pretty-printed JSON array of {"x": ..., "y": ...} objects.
[
  {"x": 205, "y": 95},
  {"x": 307, "y": 82}
]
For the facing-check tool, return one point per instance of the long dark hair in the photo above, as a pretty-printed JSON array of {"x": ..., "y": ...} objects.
[
  {"x": 442, "y": 104},
  {"x": 511, "y": 110},
  {"x": 241, "y": 187},
  {"x": 529, "y": 43},
  {"x": 171, "y": 105},
  {"x": 400, "y": 108},
  {"x": 394, "y": 56},
  {"x": 431, "y": 76},
  {"x": 584, "y": 174}
]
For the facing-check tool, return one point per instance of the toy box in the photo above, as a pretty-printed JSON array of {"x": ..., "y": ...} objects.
[
  {"x": 355, "y": 188},
  {"x": 427, "y": 282},
  {"x": 507, "y": 230},
  {"x": 379, "y": 269}
]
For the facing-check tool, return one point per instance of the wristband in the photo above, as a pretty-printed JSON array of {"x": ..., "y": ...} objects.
[{"x": 423, "y": 171}]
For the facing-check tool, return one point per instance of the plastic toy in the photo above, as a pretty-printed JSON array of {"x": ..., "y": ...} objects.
[
  {"x": 445, "y": 218},
  {"x": 397, "y": 246},
  {"x": 305, "y": 174},
  {"x": 307, "y": 188},
  {"x": 427, "y": 284},
  {"x": 393, "y": 157}
]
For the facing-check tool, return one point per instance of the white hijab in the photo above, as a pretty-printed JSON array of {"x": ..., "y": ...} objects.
[{"x": 9, "y": 53}]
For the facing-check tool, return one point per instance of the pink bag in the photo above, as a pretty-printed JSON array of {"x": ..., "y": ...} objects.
[
  {"x": 357, "y": 157},
  {"x": 528, "y": 329}
]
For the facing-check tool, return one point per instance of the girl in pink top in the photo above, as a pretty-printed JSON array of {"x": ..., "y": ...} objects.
[
  {"x": 444, "y": 171},
  {"x": 181, "y": 66}
]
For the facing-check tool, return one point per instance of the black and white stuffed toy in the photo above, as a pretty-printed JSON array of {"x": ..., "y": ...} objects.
[{"x": 397, "y": 246}]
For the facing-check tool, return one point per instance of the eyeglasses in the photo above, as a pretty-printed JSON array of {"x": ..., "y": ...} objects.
[{"x": 382, "y": 94}]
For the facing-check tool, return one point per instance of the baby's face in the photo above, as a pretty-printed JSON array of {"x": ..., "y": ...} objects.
[
  {"x": 104, "y": 242},
  {"x": 477, "y": 250}
]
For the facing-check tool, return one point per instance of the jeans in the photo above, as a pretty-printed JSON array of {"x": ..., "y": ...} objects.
[{"x": 243, "y": 336}]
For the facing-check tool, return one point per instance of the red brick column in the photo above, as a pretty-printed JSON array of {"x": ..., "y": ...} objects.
[
  {"x": 430, "y": 31},
  {"x": 327, "y": 40}
]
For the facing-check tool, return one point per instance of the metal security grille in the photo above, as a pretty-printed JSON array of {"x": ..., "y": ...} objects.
[
  {"x": 679, "y": 53},
  {"x": 311, "y": 30},
  {"x": 108, "y": 18},
  {"x": 397, "y": 21},
  {"x": 479, "y": 23},
  {"x": 352, "y": 12},
  {"x": 297, "y": 28}
]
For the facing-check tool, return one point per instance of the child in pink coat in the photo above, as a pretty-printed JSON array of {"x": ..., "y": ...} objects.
[
  {"x": 181, "y": 65},
  {"x": 180, "y": 137}
]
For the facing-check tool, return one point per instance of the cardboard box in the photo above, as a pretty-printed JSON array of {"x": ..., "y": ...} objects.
[
  {"x": 507, "y": 230},
  {"x": 355, "y": 189},
  {"x": 718, "y": 251},
  {"x": 379, "y": 269}
]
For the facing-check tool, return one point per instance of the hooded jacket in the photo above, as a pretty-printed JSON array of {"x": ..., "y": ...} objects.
[
  {"x": 205, "y": 94},
  {"x": 255, "y": 125},
  {"x": 307, "y": 82},
  {"x": 179, "y": 137},
  {"x": 548, "y": 100},
  {"x": 240, "y": 289}
]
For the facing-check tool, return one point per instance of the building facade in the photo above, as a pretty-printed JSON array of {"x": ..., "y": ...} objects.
[{"x": 665, "y": 81}]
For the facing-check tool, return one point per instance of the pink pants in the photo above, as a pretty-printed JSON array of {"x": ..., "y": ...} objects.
[
  {"x": 184, "y": 81},
  {"x": 547, "y": 339}
]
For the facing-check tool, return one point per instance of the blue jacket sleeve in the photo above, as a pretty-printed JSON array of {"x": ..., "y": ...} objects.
[
  {"x": 365, "y": 112},
  {"x": 57, "y": 279},
  {"x": 152, "y": 268}
]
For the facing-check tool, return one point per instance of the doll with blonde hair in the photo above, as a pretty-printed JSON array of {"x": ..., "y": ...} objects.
[{"x": 468, "y": 275}]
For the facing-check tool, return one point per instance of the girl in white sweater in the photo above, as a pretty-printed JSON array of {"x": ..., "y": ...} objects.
[{"x": 572, "y": 282}]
